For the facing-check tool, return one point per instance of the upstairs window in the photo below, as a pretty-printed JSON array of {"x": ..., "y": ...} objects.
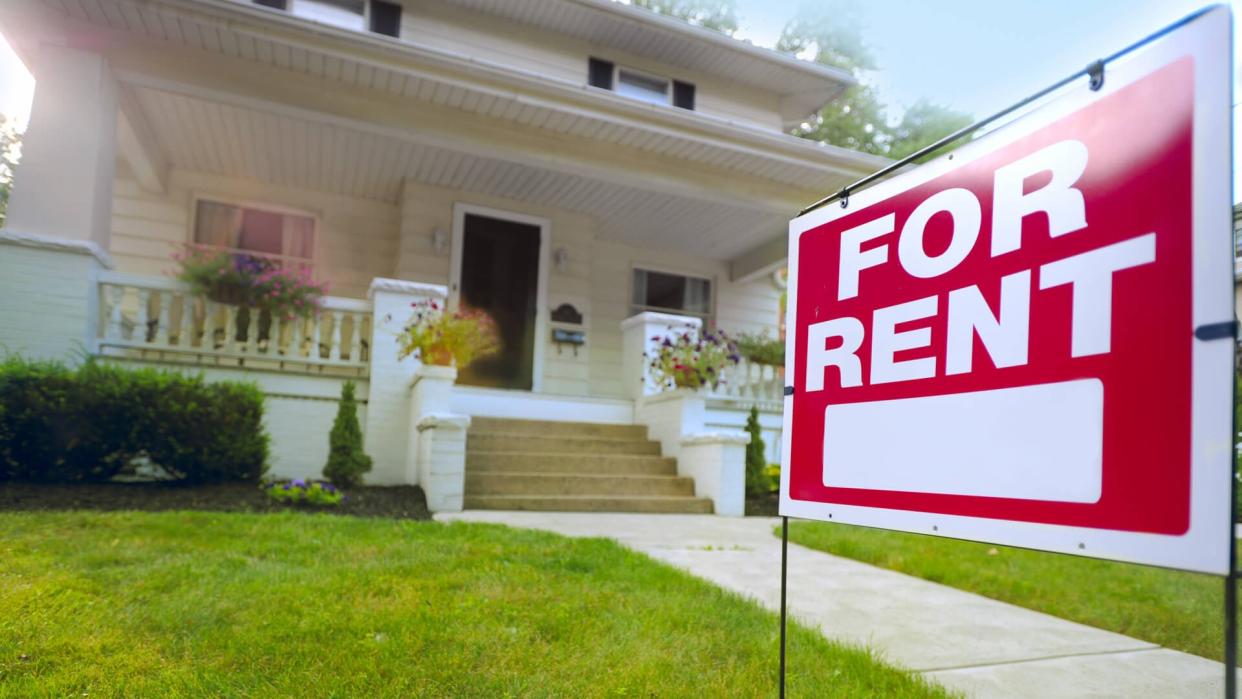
[
  {"x": 671, "y": 293},
  {"x": 638, "y": 85},
  {"x": 285, "y": 238},
  {"x": 377, "y": 16}
]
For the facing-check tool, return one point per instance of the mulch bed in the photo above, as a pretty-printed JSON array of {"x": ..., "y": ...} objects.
[{"x": 396, "y": 502}]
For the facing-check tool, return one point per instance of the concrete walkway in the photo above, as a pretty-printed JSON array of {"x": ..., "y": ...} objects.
[{"x": 976, "y": 645}]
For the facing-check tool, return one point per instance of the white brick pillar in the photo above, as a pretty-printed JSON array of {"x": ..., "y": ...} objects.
[
  {"x": 388, "y": 431},
  {"x": 437, "y": 460},
  {"x": 58, "y": 224},
  {"x": 637, "y": 344}
]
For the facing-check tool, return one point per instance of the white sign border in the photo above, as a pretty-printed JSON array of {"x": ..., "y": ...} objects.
[{"x": 1205, "y": 547}]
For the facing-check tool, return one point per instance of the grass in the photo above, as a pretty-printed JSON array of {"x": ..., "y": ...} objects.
[
  {"x": 178, "y": 604},
  {"x": 1175, "y": 609}
]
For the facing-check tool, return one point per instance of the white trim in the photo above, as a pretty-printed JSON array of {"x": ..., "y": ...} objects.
[
  {"x": 540, "y": 339},
  {"x": 401, "y": 286},
  {"x": 8, "y": 236},
  {"x": 524, "y": 405},
  {"x": 1205, "y": 547}
]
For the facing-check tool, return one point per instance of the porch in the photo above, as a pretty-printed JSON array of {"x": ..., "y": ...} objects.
[{"x": 372, "y": 163}]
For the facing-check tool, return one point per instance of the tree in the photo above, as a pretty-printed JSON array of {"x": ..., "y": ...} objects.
[
  {"x": 346, "y": 460},
  {"x": 756, "y": 463},
  {"x": 10, "y": 152},
  {"x": 830, "y": 33},
  {"x": 717, "y": 15}
]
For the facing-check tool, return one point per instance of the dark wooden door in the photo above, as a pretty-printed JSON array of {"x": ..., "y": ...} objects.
[{"x": 500, "y": 276}]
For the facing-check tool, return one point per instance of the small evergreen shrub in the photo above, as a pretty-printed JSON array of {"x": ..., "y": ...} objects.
[
  {"x": 757, "y": 479},
  {"x": 300, "y": 492},
  {"x": 61, "y": 424},
  {"x": 346, "y": 460}
]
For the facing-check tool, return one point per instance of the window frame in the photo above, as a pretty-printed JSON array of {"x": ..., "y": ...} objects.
[
  {"x": 617, "y": 69},
  {"x": 708, "y": 318},
  {"x": 259, "y": 205},
  {"x": 366, "y": 15}
]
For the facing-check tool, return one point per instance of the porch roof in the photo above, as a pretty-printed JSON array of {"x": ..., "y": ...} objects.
[{"x": 356, "y": 113}]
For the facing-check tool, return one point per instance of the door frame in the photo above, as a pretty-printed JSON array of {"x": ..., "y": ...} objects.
[{"x": 456, "y": 258}]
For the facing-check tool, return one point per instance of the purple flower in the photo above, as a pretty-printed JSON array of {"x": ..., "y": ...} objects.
[{"x": 298, "y": 483}]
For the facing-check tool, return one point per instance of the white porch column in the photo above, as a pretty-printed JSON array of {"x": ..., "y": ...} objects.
[
  {"x": 58, "y": 225},
  {"x": 636, "y": 345},
  {"x": 387, "y": 432}
]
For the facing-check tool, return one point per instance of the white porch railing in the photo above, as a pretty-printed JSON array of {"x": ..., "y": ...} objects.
[
  {"x": 749, "y": 381},
  {"x": 144, "y": 315}
]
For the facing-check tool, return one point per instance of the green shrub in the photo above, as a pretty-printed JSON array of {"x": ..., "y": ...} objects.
[
  {"x": 59, "y": 424},
  {"x": 757, "y": 481},
  {"x": 346, "y": 460},
  {"x": 758, "y": 348}
]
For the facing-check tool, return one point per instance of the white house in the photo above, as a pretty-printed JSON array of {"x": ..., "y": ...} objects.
[{"x": 573, "y": 165}]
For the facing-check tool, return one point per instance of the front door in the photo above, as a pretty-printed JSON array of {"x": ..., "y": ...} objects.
[{"x": 500, "y": 276}]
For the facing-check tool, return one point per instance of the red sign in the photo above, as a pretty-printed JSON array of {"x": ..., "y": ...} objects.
[{"x": 1001, "y": 344}]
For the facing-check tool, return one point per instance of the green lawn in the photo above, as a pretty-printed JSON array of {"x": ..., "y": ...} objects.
[
  {"x": 1175, "y": 609},
  {"x": 242, "y": 605}
]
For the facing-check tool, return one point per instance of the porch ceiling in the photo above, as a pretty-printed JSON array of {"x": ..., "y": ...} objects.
[{"x": 202, "y": 135}]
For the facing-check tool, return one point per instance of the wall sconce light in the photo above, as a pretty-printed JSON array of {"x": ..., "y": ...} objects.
[
  {"x": 439, "y": 241},
  {"x": 560, "y": 257}
]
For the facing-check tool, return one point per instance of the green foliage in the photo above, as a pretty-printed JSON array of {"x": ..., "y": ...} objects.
[
  {"x": 689, "y": 361},
  {"x": 196, "y": 604},
  {"x": 249, "y": 281},
  {"x": 717, "y": 15},
  {"x": 299, "y": 492},
  {"x": 346, "y": 460},
  {"x": 448, "y": 339},
  {"x": 10, "y": 153},
  {"x": 59, "y": 424},
  {"x": 761, "y": 349},
  {"x": 757, "y": 482},
  {"x": 830, "y": 33}
]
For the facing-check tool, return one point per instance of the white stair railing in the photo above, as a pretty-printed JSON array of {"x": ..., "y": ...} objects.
[
  {"x": 751, "y": 381},
  {"x": 153, "y": 317}
]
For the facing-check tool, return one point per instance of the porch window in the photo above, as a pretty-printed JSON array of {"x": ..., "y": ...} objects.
[
  {"x": 287, "y": 239},
  {"x": 642, "y": 87},
  {"x": 671, "y": 293}
]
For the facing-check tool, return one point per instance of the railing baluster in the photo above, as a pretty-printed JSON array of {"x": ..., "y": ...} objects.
[
  {"x": 334, "y": 352},
  {"x": 230, "y": 328},
  {"x": 274, "y": 336},
  {"x": 355, "y": 332},
  {"x": 316, "y": 338},
  {"x": 207, "y": 341},
  {"x": 116, "y": 295},
  {"x": 162, "y": 319},
  {"x": 252, "y": 330},
  {"x": 186, "y": 325},
  {"x": 144, "y": 298}
]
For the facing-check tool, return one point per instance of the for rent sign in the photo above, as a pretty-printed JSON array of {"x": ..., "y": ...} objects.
[{"x": 1001, "y": 345}]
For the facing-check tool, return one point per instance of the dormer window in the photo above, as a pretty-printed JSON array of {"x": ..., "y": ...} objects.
[
  {"x": 638, "y": 85},
  {"x": 359, "y": 15}
]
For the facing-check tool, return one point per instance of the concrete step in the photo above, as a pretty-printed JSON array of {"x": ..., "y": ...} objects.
[
  {"x": 518, "y": 442},
  {"x": 547, "y": 484},
  {"x": 547, "y": 428},
  {"x": 589, "y": 503},
  {"x": 587, "y": 464}
]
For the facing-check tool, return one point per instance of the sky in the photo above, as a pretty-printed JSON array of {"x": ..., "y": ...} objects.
[{"x": 974, "y": 56}]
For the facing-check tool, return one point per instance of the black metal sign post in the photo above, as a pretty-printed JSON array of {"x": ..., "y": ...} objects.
[{"x": 784, "y": 570}]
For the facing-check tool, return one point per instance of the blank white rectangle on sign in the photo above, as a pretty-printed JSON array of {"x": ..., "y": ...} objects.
[{"x": 1039, "y": 442}]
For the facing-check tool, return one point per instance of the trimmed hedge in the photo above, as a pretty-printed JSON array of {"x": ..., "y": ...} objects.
[{"x": 61, "y": 424}]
